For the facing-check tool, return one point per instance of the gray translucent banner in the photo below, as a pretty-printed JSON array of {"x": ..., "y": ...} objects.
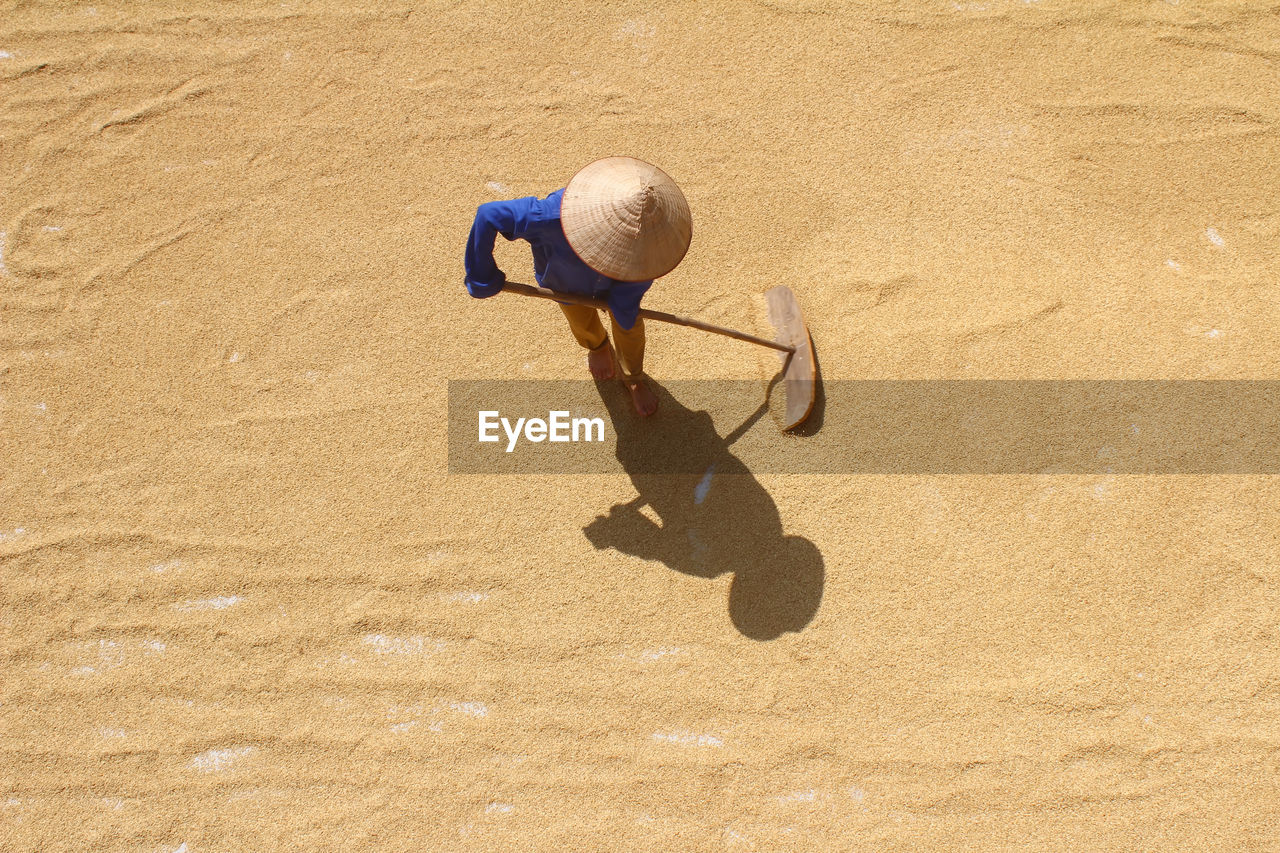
[{"x": 871, "y": 427}]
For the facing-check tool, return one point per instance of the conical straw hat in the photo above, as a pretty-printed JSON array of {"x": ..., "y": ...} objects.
[{"x": 626, "y": 219}]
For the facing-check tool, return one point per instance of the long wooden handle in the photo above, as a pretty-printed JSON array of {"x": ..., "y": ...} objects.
[{"x": 661, "y": 316}]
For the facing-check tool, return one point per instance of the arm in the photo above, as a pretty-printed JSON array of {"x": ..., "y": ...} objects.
[
  {"x": 624, "y": 301},
  {"x": 508, "y": 218}
]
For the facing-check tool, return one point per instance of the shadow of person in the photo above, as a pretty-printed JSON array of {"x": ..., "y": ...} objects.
[{"x": 714, "y": 516}]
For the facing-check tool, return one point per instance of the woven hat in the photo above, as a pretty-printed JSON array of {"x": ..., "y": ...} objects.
[{"x": 626, "y": 219}]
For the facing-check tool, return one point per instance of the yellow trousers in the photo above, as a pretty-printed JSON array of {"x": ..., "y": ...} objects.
[{"x": 628, "y": 343}]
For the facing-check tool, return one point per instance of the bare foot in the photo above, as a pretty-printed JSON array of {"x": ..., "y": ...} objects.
[
  {"x": 600, "y": 362},
  {"x": 643, "y": 398}
]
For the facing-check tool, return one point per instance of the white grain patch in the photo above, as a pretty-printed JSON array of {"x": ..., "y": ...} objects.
[
  {"x": 218, "y": 760},
  {"x": 112, "y": 733},
  {"x": 170, "y": 565},
  {"x": 684, "y": 738},
  {"x": 1173, "y": 265},
  {"x": 4, "y": 54},
  {"x": 182, "y": 848},
  {"x": 799, "y": 797},
  {"x": 469, "y": 597},
  {"x": 15, "y": 533},
  {"x": 651, "y": 655},
  {"x": 499, "y": 188},
  {"x": 3, "y": 271},
  {"x": 411, "y": 711},
  {"x": 857, "y": 794},
  {"x": 414, "y": 645},
  {"x": 234, "y": 357},
  {"x": 113, "y": 803},
  {"x": 109, "y": 654},
  {"x": 403, "y": 727},
  {"x": 704, "y": 486},
  {"x": 499, "y": 808},
  {"x": 471, "y": 709},
  {"x": 221, "y": 602},
  {"x": 154, "y": 647},
  {"x": 636, "y": 31},
  {"x": 1214, "y": 237}
]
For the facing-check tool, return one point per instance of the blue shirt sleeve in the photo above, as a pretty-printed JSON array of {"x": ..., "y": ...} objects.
[
  {"x": 624, "y": 301},
  {"x": 508, "y": 218}
]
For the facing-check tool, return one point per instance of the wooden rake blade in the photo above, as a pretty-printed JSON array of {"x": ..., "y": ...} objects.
[{"x": 799, "y": 367}]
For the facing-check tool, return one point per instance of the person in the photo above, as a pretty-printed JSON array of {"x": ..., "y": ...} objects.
[{"x": 616, "y": 226}]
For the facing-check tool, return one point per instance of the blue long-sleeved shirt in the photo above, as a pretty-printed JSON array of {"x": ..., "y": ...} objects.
[{"x": 555, "y": 265}]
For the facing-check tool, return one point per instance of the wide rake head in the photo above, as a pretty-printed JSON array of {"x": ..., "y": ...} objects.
[{"x": 799, "y": 368}]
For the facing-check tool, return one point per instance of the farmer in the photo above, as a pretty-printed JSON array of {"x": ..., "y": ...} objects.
[{"x": 618, "y": 225}]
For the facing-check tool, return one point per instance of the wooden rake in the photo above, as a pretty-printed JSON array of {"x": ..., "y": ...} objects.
[{"x": 793, "y": 344}]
